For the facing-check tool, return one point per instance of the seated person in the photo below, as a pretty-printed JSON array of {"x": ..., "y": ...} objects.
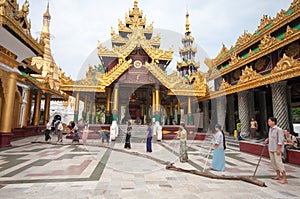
[{"x": 290, "y": 142}]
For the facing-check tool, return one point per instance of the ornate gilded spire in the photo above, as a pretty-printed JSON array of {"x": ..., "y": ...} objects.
[
  {"x": 47, "y": 13},
  {"x": 46, "y": 23},
  {"x": 187, "y": 22}
]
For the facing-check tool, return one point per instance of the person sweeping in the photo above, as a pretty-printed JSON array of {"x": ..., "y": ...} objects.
[{"x": 218, "y": 144}]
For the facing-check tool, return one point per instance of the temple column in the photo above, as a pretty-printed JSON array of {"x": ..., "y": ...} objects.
[
  {"x": 108, "y": 106},
  {"x": 263, "y": 113},
  {"x": 84, "y": 117},
  {"x": 178, "y": 112},
  {"x": 47, "y": 108},
  {"x": 94, "y": 115},
  {"x": 221, "y": 110},
  {"x": 157, "y": 102},
  {"x": 91, "y": 110},
  {"x": 205, "y": 105},
  {"x": 116, "y": 103},
  {"x": 7, "y": 110},
  {"x": 37, "y": 108},
  {"x": 213, "y": 119},
  {"x": 23, "y": 105},
  {"x": 142, "y": 114},
  {"x": 230, "y": 114},
  {"x": 171, "y": 114},
  {"x": 189, "y": 114},
  {"x": 244, "y": 112},
  {"x": 26, "y": 114},
  {"x": 153, "y": 104},
  {"x": 289, "y": 102},
  {"x": 76, "y": 111},
  {"x": 280, "y": 105},
  {"x": 251, "y": 104}
]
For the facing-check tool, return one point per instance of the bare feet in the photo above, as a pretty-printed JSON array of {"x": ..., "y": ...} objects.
[
  {"x": 283, "y": 181},
  {"x": 276, "y": 178}
]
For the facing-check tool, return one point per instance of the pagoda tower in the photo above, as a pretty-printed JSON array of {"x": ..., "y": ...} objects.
[{"x": 188, "y": 66}]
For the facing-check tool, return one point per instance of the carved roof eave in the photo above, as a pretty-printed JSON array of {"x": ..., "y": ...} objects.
[
  {"x": 282, "y": 21},
  {"x": 27, "y": 39},
  {"x": 185, "y": 64},
  {"x": 177, "y": 85},
  {"x": 286, "y": 68},
  {"x": 242, "y": 62},
  {"x": 189, "y": 92},
  {"x": 82, "y": 88}
]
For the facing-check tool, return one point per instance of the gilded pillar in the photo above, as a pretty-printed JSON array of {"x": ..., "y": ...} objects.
[
  {"x": 76, "y": 111},
  {"x": 157, "y": 102},
  {"x": 26, "y": 116},
  {"x": 7, "y": 111},
  {"x": 108, "y": 106},
  {"x": 37, "y": 108},
  {"x": 190, "y": 116},
  {"x": 8, "y": 105},
  {"x": 116, "y": 103},
  {"x": 47, "y": 108},
  {"x": 244, "y": 112},
  {"x": 178, "y": 112},
  {"x": 153, "y": 103},
  {"x": 289, "y": 102},
  {"x": 280, "y": 105}
]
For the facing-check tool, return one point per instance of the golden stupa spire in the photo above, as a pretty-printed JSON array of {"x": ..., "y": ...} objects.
[
  {"x": 187, "y": 22},
  {"x": 46, "y": 23}
]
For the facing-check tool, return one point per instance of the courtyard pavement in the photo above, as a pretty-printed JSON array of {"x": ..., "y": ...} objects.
[{"x": 31, "y": 169}]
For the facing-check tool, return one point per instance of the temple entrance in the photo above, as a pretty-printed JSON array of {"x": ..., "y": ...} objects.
[{"x": 135, "y": 103}]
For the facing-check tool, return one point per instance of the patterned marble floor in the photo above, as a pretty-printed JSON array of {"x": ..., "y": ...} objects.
[{"x": 38, "y": 170}]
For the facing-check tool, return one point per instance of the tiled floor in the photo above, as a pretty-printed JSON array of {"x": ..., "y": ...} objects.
[{"x": 39, "y": 170}]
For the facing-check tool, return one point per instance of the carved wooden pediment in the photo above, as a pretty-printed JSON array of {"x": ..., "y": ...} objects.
[{"x": 248, "y": 74}]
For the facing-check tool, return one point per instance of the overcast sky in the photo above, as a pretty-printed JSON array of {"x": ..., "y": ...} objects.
[{"x": 77, "y": 25}]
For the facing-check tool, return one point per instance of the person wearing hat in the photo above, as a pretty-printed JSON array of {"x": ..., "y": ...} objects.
[{"x": 218, "y": 144}]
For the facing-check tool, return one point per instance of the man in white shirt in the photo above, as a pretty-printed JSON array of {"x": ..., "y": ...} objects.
[{"x": 276, "y": 143}]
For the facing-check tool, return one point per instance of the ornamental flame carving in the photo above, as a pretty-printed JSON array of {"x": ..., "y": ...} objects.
[
  {"x": 264, "y": 21},
  {"x": 224, "y": 85},
  {"x": 244, "y": 38},
  {"x": 234, "y": 58},
  {"x": 248, "y": 74},
  {"x": 289, "y": 32},
  {"x": 284, "y": 64},
  {"x": 267, "y": 41}
]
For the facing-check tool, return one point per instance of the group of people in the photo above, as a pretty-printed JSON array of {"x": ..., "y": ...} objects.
[
  {"x": 277, "y": 140},
  {"x": 148, "y": 137},
  {"x": 55, "y": 127}
]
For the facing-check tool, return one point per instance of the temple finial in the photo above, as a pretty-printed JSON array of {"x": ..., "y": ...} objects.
[{"x": 187, "y": 22}]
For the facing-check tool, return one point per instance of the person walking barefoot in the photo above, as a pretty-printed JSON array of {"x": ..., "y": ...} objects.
[{"x": 276, "y": 142}]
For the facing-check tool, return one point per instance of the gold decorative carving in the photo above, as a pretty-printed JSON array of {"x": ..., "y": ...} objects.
[
  {"x": 267, "y": 41},
  {"x": 284, "y": 64},
  {"x": 264, "y": 21},
  {"x": 295, "y": 3},
  {"x": 250, "y": 53},
  {"x": 289, "y": 32},
  {"x": 279, "y": 16},
  {"x": 234, "y": 58},
  {"x": 243, "y": 38},
  {"x": 4, "y": 79},
  {"x": 248, "y": 74},
  {"x": 224, "y": 85},
  {"x": 221, "y": 53},
  {"x": 293, "y": 50}
]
